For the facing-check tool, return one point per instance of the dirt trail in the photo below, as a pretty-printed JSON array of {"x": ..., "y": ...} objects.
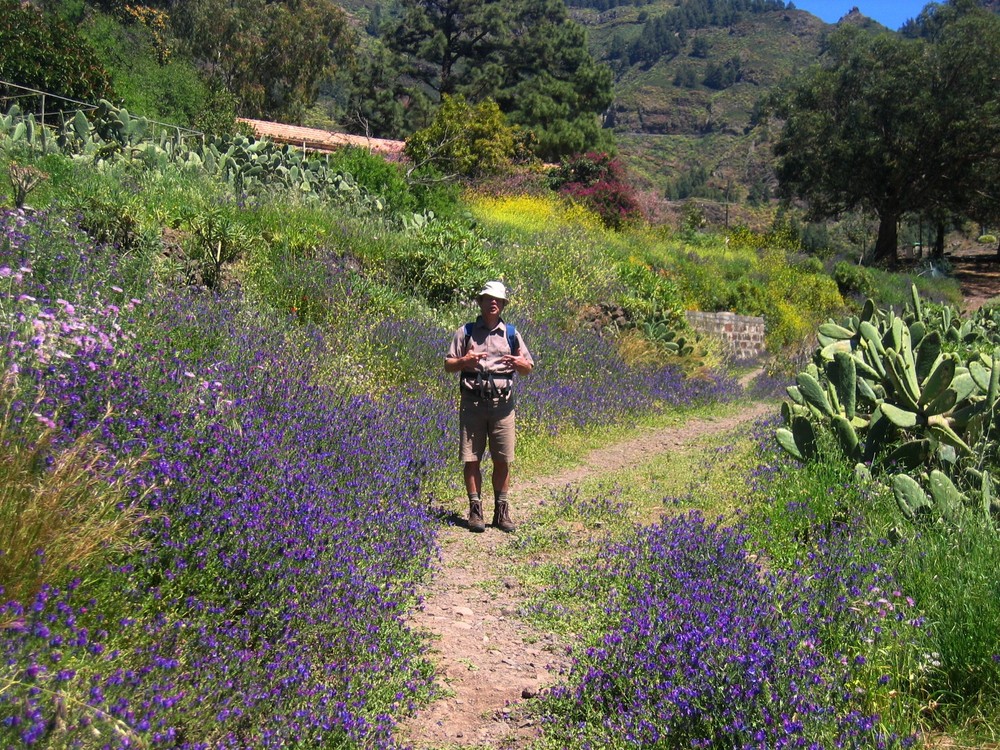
[
  {"x": 488, "y": 660},
  {"x": 977, "y": 269}
]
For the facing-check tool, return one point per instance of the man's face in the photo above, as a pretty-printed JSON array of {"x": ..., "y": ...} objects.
[{"x": 490, "y": 305}]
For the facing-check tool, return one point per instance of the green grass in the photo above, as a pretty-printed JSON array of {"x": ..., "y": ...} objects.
[
  {"x": 940, "y": 646},
  {"x": 962, "y": 604},
  {"x": 706, "y": 475},
  {"x": 541, "y": 455}
]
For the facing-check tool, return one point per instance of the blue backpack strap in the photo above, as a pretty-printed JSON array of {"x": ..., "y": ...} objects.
[
  {"x": 512, "y": 339},
  {"x": 468, "y": 334}
]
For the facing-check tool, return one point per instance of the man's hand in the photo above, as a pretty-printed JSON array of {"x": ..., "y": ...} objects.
[
  {"x": 467, "y": 362},
  {"x": 518, "y": 363},
  {"x": 473, "y": 358}
]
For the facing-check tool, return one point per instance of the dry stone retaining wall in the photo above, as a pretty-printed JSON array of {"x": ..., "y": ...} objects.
[{"x": 743, "y": 334}]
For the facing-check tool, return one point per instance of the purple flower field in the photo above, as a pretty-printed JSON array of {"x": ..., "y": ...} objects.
[
  {"x": 263, "y": 602},
  {"x": 579, "y": 379},
  {"x": 708, "y": 649}
]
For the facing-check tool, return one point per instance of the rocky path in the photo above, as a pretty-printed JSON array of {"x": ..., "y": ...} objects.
[{"x": 488, "y": 660}]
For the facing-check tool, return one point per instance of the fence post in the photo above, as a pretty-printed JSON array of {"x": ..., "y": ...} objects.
[{"x": 44, "y": 149}]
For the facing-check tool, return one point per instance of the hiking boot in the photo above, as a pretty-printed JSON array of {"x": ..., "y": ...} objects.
[
  {"x": 501, "y": 516},
  {"x": 476, "y": 521}
]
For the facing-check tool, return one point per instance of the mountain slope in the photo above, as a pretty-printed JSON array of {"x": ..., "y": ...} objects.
[
  {"x": 688, "y": 114},
  {"x": 672, "y": 96},
  {"x": 692, "y": 112}
]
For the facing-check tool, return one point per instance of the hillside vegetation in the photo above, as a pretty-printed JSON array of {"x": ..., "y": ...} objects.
[
  {"x": 248, "y": 375},
  {"x": 670, "y": 122},
  {"x": 239, "y": 348},
  {"x": 686, "y": 91}
]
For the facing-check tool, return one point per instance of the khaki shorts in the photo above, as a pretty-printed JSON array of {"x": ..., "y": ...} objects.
[{"x": 482, "y": 421}]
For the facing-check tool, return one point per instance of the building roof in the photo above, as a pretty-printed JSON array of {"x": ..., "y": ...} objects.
[{"x": 315, "y": 139}]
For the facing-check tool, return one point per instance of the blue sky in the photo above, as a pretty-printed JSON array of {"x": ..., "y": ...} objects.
[{"x": 891, "y": 13}]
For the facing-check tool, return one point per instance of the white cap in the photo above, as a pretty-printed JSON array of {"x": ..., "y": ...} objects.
[{"x": 494, "y": 289}]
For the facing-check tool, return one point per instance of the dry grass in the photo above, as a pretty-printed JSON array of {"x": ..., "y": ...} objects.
[{"x": 62, "y": 505}]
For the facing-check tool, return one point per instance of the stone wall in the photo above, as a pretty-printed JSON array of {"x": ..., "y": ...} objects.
[{"x": 743, "y": 334}]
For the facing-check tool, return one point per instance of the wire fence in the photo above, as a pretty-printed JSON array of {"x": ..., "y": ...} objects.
[{"x": 52, "y": 109}]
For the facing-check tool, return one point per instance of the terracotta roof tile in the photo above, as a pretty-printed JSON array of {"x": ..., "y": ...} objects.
[{"x": 323, "y": 140}]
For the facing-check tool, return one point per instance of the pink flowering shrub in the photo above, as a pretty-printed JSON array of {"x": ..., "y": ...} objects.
[{"x": 598, "y": 181}]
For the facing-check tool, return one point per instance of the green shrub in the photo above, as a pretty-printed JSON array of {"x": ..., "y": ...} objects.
[
  {"x": 217, "y": 115},
  {"x": 809, "y": 265},
  {"x": 45, "y": 53},
  {"x": 853, "y": 279},
  {"x": 377, "y": 176},
  {"x": 440, "y": 198},
  {"x": 692, "y": 219},
  {"x": 893, "y": 289},
  {"x": 950, "y": 572},
  {"x": 651, "y": 297},
  {"x": 693, "y": 183},
  {"x": 749, "y": 296},
  {"x": 291, "y": 268},
  {"x": 170, "y": 90},
  {"x": 466, "y": 140},
  {"x": 61, "y": 173},
  {"x": 110, "y": 213},
  {"x": 798, "y": 503},
  {"x": 288, "y": 282},
  {"x": 444, "y": 261},
  {"x": 219, "y": 236},
  {"x": 816, "y": 239}
]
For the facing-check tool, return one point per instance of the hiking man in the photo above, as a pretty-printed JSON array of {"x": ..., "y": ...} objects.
[{"x": 487, "y": 353}]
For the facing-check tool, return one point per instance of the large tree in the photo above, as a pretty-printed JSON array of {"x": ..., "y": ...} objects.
[
  {"x": 967, "y": 65},
  {"x": 893, "y": 125},
  {"x": 525, "y": 54},
  {"x": 42, "y": 52},
  {"x": 270, "y": 55},
  {"x": 373, "y": 98},
  {"x": 850, "y": 135},
  {"x": 452, "y": 46},
  {"x": 551, "y": 84}
]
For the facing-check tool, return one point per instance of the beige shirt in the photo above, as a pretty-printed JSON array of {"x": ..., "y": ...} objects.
[{"x": 494, "y": 344}]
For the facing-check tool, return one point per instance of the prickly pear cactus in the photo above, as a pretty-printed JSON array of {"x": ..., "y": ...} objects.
[
  {"x": 893, "y": 398},
  {"x": 110, "y": 133}
]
